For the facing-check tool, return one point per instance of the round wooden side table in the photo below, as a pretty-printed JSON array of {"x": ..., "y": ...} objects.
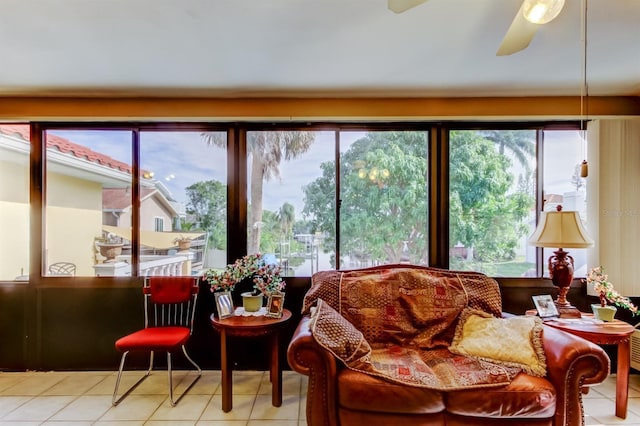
[
  {"x": 614, "y": 332},
  {"x": 250, "y": 326}
]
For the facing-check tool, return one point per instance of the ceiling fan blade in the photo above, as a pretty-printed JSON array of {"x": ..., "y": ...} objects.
[
  {"x": 518, "y": 36},
  {"x": 399, "y": 6}
]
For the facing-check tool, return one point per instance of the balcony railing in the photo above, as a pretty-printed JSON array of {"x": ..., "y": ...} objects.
[{"x": 157, "y": 265}]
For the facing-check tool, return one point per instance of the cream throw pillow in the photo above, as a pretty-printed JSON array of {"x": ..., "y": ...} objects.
[{"x": 513, "y": 341}]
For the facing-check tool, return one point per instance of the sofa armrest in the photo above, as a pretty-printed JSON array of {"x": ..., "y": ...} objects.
[
  {"x": 307, "y": 357},
  {"x": 572, "y": 362}
]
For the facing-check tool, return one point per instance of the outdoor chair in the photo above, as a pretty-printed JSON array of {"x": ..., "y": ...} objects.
[
  {"x": 169, "y": 304},
  {"x": 62, "y": 268}
]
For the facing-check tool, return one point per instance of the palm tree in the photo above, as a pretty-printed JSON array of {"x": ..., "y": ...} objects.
[
  {"x": 266, "y": 150},
  {"x": 286, "y": 216},
  {"x": 519, "y": 142}
]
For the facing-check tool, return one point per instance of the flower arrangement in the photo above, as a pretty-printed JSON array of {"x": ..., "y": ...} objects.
[
  {"x": 607, "y": 293},
  {"x": 266, "y": 276}
]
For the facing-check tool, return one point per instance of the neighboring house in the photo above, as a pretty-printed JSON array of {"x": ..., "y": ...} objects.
[
  {"x": 85, "y": 188},
  {"x": 157, "y": 211}
]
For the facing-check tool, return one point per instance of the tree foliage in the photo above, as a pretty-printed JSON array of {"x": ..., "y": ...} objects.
[
  {"x": 267, "y": 150},
  {"x": 383, "y": 214},
  {"x": 484, "y": 215},
  {"x": 207, "y": 204}
]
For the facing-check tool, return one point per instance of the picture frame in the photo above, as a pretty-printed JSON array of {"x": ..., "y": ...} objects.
[
  {"x": 545, "y": 306},
  {"x": 224, "y": 304},
  {"x": 275, "y": 305}
]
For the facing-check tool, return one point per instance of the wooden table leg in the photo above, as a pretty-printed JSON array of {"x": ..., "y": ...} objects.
[
  {"x": 275, "y": 373},
  {"x": 227, "y": 381},
  {"x": 622, "y": 379}
]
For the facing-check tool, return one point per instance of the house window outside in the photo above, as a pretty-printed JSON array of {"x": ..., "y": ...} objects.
[
  {"x": 14, "y": 202},
  {"x": 158, "y": 224}
]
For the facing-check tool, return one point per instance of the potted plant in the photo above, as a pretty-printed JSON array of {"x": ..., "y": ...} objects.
[
  {"x": 265, "y": 277},
  {"x": 607, "y": 294},
  {"x": 110, "y": 246},
  {"x": 182, "y": 242}
]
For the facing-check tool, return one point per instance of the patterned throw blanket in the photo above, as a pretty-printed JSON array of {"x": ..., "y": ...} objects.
[{"x": 397, "y": 323}]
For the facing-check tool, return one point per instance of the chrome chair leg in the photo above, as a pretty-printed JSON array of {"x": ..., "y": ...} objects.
[
  {"x": 115, "y": 400},
  {"x": 193, "y": 382}
]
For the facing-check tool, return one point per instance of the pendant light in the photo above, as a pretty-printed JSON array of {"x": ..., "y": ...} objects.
[{"x": 584, "y": 94}]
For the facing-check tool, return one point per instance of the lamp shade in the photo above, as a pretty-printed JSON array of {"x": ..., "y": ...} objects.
[{"x": 561, "y": 229}]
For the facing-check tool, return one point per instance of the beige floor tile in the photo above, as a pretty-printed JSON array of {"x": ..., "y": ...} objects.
[
  {"x": 244, "y": 383},
  {"x": 41, "y": 408},
  {"x": 120, "y": 423},
  {"x": 86, "y": 407},
  {"x": 10, "y": 403},
  {"x": 290, "y": 384},
  {"x": 75, "y": 384},
  {"x": 222, "y": 423},
  {"x": 272, "y": 423},
  {"x": 602, "y": 411},
  {"x": 10, "y": 379},
  {"x": 135, "y": 407},
  {"x": 241, "y": 408},
  {"x": 190, "y": 407},
  {"x": 263, "y": 409},
  {"x": 34, "y": 384}
]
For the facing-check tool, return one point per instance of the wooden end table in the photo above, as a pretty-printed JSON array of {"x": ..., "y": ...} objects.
[
  {"x": 250, "y": 326},
  {"x": 615, "y": 332}
]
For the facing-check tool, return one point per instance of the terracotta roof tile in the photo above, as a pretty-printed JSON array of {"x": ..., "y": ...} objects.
[{"x": 66, "y": 146}]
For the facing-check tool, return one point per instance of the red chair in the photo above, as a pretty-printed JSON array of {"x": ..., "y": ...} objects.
[{"x": 169, "y": 304}]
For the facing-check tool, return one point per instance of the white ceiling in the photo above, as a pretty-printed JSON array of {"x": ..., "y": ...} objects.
[{"x": 309, "y": 48}]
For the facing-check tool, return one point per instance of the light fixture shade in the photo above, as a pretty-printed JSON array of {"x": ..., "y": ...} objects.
[
  {"x": 541, "y": 11},
  {"x": 562, "y": 229}
]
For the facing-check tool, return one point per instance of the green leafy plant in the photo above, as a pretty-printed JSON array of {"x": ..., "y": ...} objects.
[{"x": 266, "y": 276}]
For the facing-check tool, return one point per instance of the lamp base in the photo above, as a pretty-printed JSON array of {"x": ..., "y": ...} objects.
[{"x": 568, "y": 311}]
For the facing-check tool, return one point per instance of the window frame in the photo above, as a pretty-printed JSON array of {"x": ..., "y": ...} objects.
[{"x": 438, "y": 176}]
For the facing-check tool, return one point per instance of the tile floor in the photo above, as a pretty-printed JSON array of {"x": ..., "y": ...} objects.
[{"x": 84, "y": 398}]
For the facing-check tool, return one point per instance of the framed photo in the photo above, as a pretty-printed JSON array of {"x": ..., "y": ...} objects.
[
  {"x": 275, "y": 305},
  {"x": 224, "y": 303},
  {"x": 545, "y": 306}
]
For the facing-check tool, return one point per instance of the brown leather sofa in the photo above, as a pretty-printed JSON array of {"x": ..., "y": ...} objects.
[{"x": 338, "y": 395}]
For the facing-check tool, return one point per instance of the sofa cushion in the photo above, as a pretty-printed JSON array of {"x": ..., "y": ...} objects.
[
  {"x": 337, "y": 335},
  {"x": 525, "y": 397},
  {"x": 514, "y": 341},
  {"x": 363, "y": 392}
]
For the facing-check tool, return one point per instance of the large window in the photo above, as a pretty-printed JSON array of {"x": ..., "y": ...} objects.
[
  {"x": 14, "y": 202},
  {"x": 159, "y": 199},
  {"x": 492, "y": 200},
  {"x": 291, "y": 199},
  {"x": 383, "y": 198},
  {"x": 88, "y": 202},
  {"x": 183, "y": 205}
]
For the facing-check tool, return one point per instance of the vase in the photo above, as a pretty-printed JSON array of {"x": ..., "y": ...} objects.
[
  {"x": 604, "y": 313},
  {"x": 251, "y": 302},
  {"x": 110, "y": 250},
  {"x": 184, "y": 245}
]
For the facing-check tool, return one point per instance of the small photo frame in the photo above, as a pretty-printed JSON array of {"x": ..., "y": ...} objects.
[
  {"x": 545, "y": 306},
  {"x": 275, "y": 305},
  {"x": 224, "y": 303}
]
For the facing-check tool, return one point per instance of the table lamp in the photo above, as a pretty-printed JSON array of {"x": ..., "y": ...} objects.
[{"x": 561, "y": 229}]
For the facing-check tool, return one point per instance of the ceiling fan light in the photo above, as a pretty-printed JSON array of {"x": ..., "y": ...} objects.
[{"x": 541, "y": 11}]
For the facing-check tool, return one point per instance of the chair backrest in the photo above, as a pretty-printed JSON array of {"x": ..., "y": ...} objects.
[
  {"x": 62, "y": 268},
  {"x": 170, "y": 301}
]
